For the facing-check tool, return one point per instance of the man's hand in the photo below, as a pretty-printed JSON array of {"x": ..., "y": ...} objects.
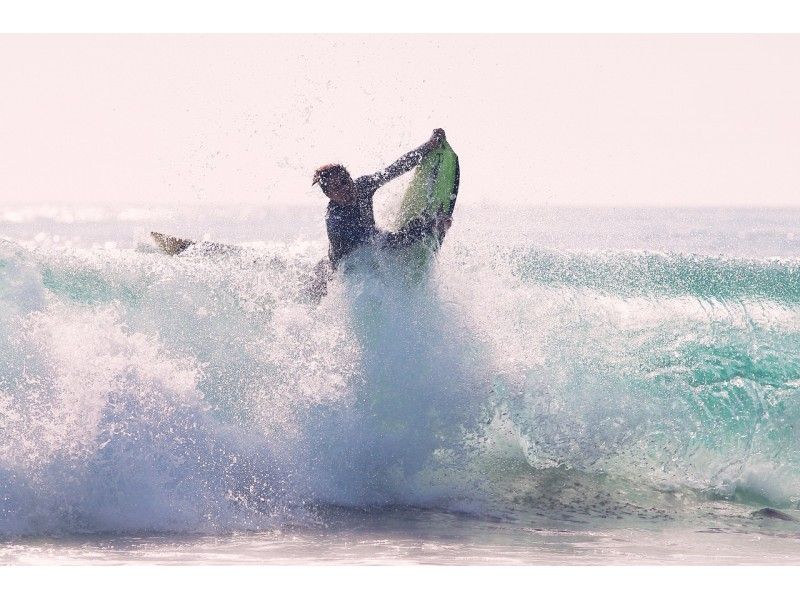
[
  {"x": 443, "y": 224},
  {"x": 436, "y": 140},
  {"x": 437, "y": 224}
]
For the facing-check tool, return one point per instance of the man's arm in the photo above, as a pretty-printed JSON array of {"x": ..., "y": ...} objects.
[
  {"x": 408, "y": 161},
  {"x": 316, "y": 286},
  {"x": 416, "y": 229}
]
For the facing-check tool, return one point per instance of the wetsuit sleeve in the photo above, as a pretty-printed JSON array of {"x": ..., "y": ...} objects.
[
  {"x": 415, "y": 230},
  {"x": 402, "y": 165}
]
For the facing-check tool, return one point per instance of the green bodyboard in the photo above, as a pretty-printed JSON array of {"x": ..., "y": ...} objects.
[
  {"x": 433, "y": 189},
  {"x": 431, "y": 194}
]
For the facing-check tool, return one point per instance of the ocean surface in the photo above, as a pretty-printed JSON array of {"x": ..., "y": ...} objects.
[{"x": 561, "y": 386}]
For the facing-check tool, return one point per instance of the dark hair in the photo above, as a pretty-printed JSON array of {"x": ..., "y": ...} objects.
[{"x": 327, "y": 173}]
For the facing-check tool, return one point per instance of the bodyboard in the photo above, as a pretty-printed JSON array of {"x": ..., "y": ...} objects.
[
  {"x": 433, "y": 189},
  {"x": 430, "y": 195}
]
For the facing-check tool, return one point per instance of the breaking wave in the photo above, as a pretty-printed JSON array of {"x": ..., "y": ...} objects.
[{"x": 206, "y": 393}]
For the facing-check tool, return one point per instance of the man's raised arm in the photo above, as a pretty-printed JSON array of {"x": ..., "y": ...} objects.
[{"x": 408, "y": 161}]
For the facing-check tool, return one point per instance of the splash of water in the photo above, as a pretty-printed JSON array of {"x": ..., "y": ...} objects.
[{"x": 205, "y": 393}]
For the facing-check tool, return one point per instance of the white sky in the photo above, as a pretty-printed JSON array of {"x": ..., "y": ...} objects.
[{"x": 562, "y": 120}]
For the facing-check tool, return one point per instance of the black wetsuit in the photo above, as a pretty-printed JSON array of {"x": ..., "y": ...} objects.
[{"x": 350, "y": 226}]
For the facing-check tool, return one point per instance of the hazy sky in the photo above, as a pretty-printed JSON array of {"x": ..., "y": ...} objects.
[{"x": 573, "y": 120}]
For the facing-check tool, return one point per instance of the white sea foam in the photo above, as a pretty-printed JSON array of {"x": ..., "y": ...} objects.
[{"x": 204, "y": 393}]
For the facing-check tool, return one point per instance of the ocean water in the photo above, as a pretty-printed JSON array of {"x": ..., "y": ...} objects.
[{"x": 562, "y": 386}]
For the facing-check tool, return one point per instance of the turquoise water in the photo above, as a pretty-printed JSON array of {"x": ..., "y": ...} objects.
[{"x": 566, "y": 386}]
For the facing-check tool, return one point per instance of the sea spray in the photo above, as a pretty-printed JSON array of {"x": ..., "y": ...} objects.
[{"x": 202, "y": 393}]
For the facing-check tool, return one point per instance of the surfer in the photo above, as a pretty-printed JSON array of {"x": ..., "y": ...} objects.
[{"x": 350, "y": 221}]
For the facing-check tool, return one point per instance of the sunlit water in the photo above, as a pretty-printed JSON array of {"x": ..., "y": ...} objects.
[{"x": 563, "y": 385}]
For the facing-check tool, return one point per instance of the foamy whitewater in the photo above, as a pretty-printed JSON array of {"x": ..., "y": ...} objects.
[{"x": 564, "y": 385}]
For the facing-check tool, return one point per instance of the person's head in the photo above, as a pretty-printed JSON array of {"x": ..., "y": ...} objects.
[{"x": 335, "y": 182}]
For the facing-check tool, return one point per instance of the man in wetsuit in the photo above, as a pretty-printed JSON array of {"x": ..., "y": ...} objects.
[{"x": 350, "y": 220}]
